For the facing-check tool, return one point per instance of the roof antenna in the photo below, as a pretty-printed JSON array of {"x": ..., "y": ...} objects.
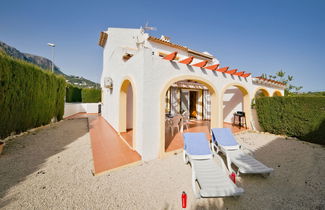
[{"x": 149, "y": 28}]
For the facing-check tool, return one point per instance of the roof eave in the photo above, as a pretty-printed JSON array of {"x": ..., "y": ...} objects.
[
  {"x": 154, "y": 39},
  {"x": 209, "y": 57}
]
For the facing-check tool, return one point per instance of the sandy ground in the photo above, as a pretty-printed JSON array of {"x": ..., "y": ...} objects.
[{"x": 51, "y": 169}]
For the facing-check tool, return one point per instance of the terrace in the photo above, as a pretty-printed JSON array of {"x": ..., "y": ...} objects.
[{"x": 112, "y": 151}]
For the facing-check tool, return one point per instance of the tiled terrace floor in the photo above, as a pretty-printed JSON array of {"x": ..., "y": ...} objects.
[
  {"x": 176, "y": 142},
  {"x": 108, "y": 149},
  {"x": 127, "y": 136}
]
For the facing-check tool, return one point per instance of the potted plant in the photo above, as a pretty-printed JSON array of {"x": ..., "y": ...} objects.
[{"x": 2, "y": 144}]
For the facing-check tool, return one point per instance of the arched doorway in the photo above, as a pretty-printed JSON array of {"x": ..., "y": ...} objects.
[
  {"x": 235, "y": 101},
  {"x": 277, "y": 93},
  {"x": 127, "y": 113},
  {"x": 261, "y": 92},
  {"x": 186, "y": 94}
]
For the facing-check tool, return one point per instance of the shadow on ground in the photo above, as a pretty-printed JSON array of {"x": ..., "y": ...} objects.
[{"x": 24, "y": 155}]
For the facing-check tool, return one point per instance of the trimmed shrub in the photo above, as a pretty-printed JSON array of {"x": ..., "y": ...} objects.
[
  {"x": 301, "y": 117},
  {"x": 73, "y": 94},
  {"x": 91, "y": 95},
  {"x": 29, "y": 96}
]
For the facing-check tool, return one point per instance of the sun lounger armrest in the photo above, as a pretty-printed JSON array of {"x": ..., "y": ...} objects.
[
  {"x": 230, "y": 147},
  {"x": 201, "y": 157}
]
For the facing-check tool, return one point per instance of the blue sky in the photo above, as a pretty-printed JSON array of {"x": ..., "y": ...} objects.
[{"x": 255, "y": 36}]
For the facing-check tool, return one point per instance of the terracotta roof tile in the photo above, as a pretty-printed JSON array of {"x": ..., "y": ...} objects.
[{"x": 270, "y": 80}]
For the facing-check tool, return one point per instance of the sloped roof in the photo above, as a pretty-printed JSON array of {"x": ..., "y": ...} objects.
[
  {"x": 177, "y": 46},
  {"x": 167, "y": 43},
  {"x": 270, "y": 81}
]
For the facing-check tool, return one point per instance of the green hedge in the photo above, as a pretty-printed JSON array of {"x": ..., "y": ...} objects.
[
  {"x": 73, "y": 94},
  {"x": 84, "y": 95},
  {"x": 29, "y": 96},
  {"x": 301, "y": 117},
  {"x": 91, "y": 95}
]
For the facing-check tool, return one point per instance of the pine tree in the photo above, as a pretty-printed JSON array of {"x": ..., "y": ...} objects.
[{"x": 280, "y": 76}]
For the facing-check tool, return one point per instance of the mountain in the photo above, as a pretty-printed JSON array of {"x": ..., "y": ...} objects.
[
  {"x": 42, "y": 62},
  {"x": 46, "y": 64}
]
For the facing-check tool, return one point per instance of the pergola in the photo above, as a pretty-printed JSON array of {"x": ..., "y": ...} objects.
[{"x": 203, "y": 64}]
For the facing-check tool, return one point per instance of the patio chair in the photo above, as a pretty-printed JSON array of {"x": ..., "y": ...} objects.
[
  {"x": 212, "y": 179},
  {"x": 175, "y": 122},
  {"x": 223, "y": 140}
]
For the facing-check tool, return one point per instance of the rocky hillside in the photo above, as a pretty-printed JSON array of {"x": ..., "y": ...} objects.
[
  {"x": 46, "y": 64},
  {"x": 42, "y": 62}
]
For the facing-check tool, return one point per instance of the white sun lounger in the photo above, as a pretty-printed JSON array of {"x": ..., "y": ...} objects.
[
  {"x": 223, "y": 140},
  {"x": 213, "y": 180}
]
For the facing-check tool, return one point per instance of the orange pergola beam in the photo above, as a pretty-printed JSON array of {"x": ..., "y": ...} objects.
[
  {"x": 212, "y": 67},
  {"x": 246, "y": 75},
  {"x": 223, "y": 69},
  {"x": 240, "y": 73},
  {"x": 187, "y": 60},
  {"x": 232, "y": 71},
  {"x": 171, "y": 56},
  {"x": 201, "y": 64}
]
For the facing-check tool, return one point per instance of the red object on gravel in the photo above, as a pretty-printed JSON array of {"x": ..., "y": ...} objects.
[{"x": 184, "y": 198}]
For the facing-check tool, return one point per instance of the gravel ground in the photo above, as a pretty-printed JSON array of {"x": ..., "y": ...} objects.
[{"x": 51, "y": 169}]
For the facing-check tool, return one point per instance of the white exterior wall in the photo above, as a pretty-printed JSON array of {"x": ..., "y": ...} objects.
[
  {"x": 92, "y": 107},
  {"x": 149, "y": 75},
  {"x": 74, "y": 108},
  {"x": 232, "y": 102},
  {"x": 118, "y": 43},
  {"x": 156, "y": 48},
  {"x": 157, "y": 74},
  {"x": 268, "y": 89},
  {"x": 120, "y": 71}
]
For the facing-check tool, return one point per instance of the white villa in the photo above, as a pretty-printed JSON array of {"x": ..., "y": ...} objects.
[{"x": 144, "y": 78}]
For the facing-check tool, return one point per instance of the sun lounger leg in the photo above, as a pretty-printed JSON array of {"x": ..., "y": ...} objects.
[
  {"x": 266, "y": 175},
  {"x": 213, "y": 149}
]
